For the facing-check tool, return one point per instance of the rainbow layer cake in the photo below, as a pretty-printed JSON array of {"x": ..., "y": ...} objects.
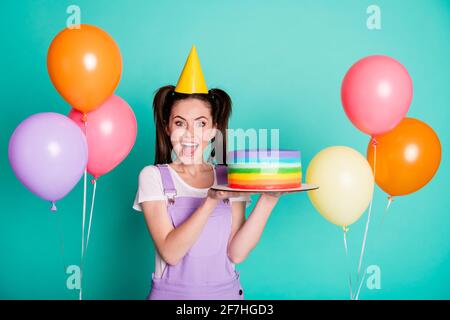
[{"x": 264, "y": 169}]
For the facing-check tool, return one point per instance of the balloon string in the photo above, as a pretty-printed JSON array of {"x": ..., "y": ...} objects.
[
  {"x": 94, "y": 182},
  {"x": 360, "y": 285},
  {"x": 82, "y": 235},
  {"x": 83, "y": 219},
  {"x": 390, "y": 200},
  {"x": 374, "y": 144},
  {"x": 61, "y": 241},
  {"x": 348, "y": 262}
]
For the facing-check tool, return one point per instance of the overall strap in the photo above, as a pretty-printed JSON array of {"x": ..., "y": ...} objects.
[
  {"x": 169, "y": 188},
  {"x": 222, "y": 174}
]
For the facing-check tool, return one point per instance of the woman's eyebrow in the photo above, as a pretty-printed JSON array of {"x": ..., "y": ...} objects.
[{"x": 177, "y": 116}]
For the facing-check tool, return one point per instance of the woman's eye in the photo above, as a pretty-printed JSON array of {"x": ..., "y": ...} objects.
[
  {"x": 179, "y": 123},
  {"x": 201, "y": 124}
]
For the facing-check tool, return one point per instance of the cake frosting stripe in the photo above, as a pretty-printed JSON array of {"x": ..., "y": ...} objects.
[
  {"x": 265, "y": 160},
  {"x": 264, "y": 180},
  {"x": 264, "y": 169},
  {"x": 265, "y": 187},
  {"x": 273, "y": 165},
  {"x": 265, "y": 153},
  {"x": 264, "y": 176}
]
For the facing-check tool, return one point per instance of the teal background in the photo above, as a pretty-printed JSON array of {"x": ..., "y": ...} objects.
[{"x": 282, "y": 62}]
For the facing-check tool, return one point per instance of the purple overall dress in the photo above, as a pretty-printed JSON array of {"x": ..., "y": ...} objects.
[{"x": 205, "y": 272}]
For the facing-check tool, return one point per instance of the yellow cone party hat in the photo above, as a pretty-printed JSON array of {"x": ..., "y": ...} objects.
[{"x": 191, "y": 79}]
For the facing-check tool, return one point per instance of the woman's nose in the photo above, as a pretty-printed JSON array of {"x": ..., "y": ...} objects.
[
  {"x": 192, "y": 131},
  {"x": 189, "y": 132}
]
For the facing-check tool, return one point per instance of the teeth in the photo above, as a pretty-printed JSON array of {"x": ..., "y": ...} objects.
[{"x": 189, "y": 144}]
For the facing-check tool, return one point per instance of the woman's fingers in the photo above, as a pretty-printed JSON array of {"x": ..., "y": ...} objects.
[
  {"x": 221, "y": 194},
  {"x": 240, "y": 193},
  {"x": 276, "y": 194},
  {"x": 215, "y": 194}
]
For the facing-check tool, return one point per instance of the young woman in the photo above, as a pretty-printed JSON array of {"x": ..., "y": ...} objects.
[{"x": 199, "y": 234}]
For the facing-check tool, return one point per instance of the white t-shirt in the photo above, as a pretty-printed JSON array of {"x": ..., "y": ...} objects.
[{"x": 151, "y": 188}]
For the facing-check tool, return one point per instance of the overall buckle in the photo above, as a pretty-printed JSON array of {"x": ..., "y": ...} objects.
[{"x": 171, "y": 198}]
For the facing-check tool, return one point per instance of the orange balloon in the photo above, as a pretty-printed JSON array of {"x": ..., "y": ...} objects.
[
  {"x": 407, "y": 157},
  {"x": 85, "y": 66}
]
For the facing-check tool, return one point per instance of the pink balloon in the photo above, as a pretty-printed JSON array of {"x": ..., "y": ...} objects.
[
  {"x": 111, "y": 132},
  {"x": 376, "y": 94}
]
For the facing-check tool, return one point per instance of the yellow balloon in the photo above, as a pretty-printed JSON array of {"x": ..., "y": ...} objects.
[{"x": 345, "y": 181}]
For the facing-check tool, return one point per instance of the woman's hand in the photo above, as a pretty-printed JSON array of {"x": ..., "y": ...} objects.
[
  {"x": 271, "y": 197},
  {"x": 220, "y": 194},
  {"x": 275, "y": 194}
]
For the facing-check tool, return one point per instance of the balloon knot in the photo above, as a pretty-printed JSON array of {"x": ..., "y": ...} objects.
[
  {"x": 374, "y": 141},
  {"x": 84, "y": 118},
  {"x": 390, "y": 198},
  {"x": 53, "y": 208},
  {"x": 93, "y": 181},
  {"x": 345, "y": 229}
]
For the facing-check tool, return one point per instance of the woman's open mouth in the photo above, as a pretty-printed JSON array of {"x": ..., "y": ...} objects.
[{"x": 189, "y": 148}]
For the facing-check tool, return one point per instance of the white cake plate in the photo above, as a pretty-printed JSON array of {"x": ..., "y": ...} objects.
[{"x": 303, "y": 187}]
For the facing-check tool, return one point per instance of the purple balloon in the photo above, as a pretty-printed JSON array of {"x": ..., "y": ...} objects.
[{"x": 48, "y": 153}]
